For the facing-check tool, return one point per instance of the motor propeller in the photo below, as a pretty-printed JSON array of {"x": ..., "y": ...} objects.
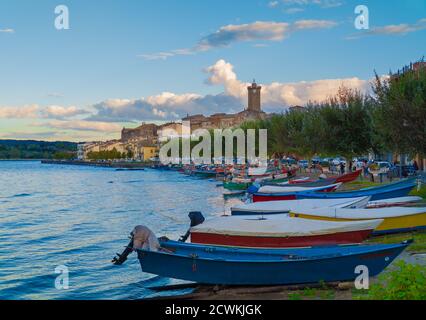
[{"x": 196, "y": 218}]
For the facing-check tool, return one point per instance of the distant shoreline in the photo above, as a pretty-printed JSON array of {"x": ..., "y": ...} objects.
[{"x": 107, "y": 164}]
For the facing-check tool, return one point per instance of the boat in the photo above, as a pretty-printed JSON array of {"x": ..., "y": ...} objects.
[
  {"x": 296, "y": 188},
  {"x": 279, "y": 231},
  {"x": 273, "y": 193},
  {"x": 395, "y": 219},
  {"x": 285, "y": 206},
  {"x": 307, "y": 184},
  {"x": 241, "y": 266},
  {"x": 394, "y": 202},
  {"x": 348, "y": 177},
  {"x": 239, "y": 183},
  {"x": 387, "y": 191}
]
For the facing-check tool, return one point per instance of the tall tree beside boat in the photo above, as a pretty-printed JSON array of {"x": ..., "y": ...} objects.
[{"x": 400, "y": 111}]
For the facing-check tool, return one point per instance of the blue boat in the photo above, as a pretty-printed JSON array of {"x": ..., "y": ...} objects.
[
  {"x": 237, "y": 266},
  {"x": 388, "y": 191}
]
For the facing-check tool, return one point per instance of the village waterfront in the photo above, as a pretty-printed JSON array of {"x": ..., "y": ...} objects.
[{"x": 80, "y": 216}]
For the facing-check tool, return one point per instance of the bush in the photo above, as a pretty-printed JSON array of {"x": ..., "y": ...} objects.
[{"x": 407, "y": 282}]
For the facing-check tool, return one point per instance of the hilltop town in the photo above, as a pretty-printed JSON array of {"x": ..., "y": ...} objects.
[{"x": 142, "y": 143}]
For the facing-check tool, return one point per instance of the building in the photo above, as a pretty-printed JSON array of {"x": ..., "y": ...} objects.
[
  {"x": 169, "y": 131},
  {"x": 143, "y": 142},
  {"x": 148, "y": 153},
  {"x": 224, "y": 120}
]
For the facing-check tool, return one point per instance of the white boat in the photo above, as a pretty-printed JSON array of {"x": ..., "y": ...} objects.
[
  {"x": 393, "y": 202},
  {"x": 279, "y": 231},
  {"x": 395, "y": 219},
  {"x": 285, "y": 206},
  {"x": 284, "y": 189}
]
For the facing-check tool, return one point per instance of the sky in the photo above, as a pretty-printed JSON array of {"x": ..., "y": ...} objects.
[{"x": 124, "y": 62}]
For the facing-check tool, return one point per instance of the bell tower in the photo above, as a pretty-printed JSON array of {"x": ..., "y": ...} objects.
[{"x": 254, "y": 97}]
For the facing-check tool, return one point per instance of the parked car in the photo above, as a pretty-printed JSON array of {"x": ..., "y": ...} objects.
[
  {"x": 337, "y": 161},
  {"x": 303, "y": 163},
  {"x": 407, "y": 170}
]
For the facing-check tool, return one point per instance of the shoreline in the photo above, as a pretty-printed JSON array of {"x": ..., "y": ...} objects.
[{"x": 107, "y": 164}]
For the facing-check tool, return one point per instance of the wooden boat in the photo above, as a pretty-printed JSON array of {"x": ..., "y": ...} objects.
[
  {"x": 394, "y": 202},
  {"x": 206, "y": 173},
  {"x": 393, "y": 190},
  {"x": 290, "y": 193},
  {"x": 279, "y": 231},
  {"x": 297, "y": 188},
  {"x": 395, "y": 219},
  {"x": 285, "y": 206},
  {"x": 307, "y": 184},
  {"x": 240, "y": 266},
  {"x": 348, "y": 177},
  {"x": 238, "y": 183}
]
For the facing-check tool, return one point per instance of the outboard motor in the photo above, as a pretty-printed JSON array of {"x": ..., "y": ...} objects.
[
  {"x": 121, "y": 258},
  {"x": 196, "y": 218}
]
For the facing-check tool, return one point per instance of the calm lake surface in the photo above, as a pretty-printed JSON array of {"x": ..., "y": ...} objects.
[{"x": 53, "y": 215}]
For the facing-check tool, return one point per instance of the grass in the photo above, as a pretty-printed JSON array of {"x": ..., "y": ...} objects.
[
  {"x": 420, "y": 193},
  {"x": 406, "y": 282},
  {"x": 418, "y": 246}
]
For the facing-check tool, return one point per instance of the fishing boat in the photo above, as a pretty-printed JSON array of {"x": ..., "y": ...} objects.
[
  {"x": 387, "y": 191},
  {"x": 282, "y": 207},
  {"x": 273, "y": 193},
  {"x": 395, "y": 219},
  {"x": 279, "y": 231},
  {"x": 345, "y": 178},
  {"x": 241, "y": 266},
  {"x": 394, "y": 202},
  {"x": 297, "y": 188},
  {"x": 241, "y": 183},
  {"x": 306, "y": 184}
]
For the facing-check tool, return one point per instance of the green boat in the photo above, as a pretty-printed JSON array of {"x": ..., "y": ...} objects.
[
  {"x": 230, "y": 185},
  {"x": 244, "y": 185}
]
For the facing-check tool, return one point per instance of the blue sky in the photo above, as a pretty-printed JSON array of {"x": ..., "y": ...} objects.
[{"x": 123, "y": 62}]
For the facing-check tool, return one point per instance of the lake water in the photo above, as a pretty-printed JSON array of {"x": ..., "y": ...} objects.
[{"x": 79, "y": 217}]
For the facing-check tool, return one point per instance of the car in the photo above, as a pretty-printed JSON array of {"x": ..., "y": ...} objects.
[
  {"x": 303, "y": 163},
  {"x": 337, "y": 161},
  {"x": 407, "y": 170}
]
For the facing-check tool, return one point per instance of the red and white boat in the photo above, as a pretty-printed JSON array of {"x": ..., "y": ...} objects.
[{"x": 280, "y": 231}]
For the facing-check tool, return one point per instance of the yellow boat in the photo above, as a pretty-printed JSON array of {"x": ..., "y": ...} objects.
[{"x": 395, "y": 219}]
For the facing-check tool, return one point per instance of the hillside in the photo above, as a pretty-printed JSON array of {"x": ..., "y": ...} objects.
[{"x": 31, "y": 149}]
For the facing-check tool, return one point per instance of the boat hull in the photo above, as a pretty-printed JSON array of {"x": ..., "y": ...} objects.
[
  {"x": 396, "y": 190},
  {"x": 280, "y": 242},
  {"x": 261, "y": 197},
  {"x": 389, "y": 225},
  {"x": 223, "y": 266}
]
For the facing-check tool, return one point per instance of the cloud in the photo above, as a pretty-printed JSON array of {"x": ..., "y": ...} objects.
[
  {"x": 36, "y": 111},
  {"x": 293, "y": 10},
  {"x": 276, "y": 97},
  {"x": 8, "y": 30},
  {"x": 82, "y": 125},
  {"x": 256, "y": 31},
  {"x": 393, "y": 29},
  {"x": 27, "y": 111},
  {"x": 59, "y": 112},
  {"x": 321, "y": 3},
  {"x": 273, "y": 4},
  {"x": 163, "y": 107}
]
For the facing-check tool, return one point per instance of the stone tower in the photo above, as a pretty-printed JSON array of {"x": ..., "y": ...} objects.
[{"x": 254, "y": 97}]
